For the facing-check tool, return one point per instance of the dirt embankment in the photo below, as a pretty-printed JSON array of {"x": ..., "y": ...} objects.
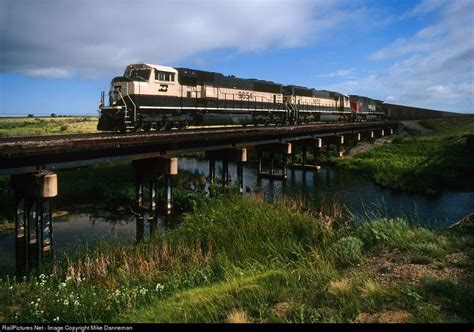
[{"x": 411, "y": 127}]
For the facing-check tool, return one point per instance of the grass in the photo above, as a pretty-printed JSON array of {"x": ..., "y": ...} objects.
[
  {"x": 47, "y": 126},
  {"x": 426, "y": 163},
  {"x": 239, "y": 259}
]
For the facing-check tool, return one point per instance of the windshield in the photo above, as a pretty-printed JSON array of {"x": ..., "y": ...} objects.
[{"x": 138, "y": 74}]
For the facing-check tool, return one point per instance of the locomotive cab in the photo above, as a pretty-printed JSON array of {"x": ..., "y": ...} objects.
[{"x": 136, "y": 90}]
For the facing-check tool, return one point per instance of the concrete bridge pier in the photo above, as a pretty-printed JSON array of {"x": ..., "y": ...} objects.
[
  {"x": 279, "y": 148},
  {"x": 315, "y": 144},
  {"x": 212, "y": 171},
  {"x": 367, "y": 135},
  {"x": 338, "y": 141},
  {"x": 356, "y": 137},
  {"x": 147, "y": 172},
  {"x": 339, "y": 145},
  {"x": 33, "y": 221},
  {"x": 352, "y": 139},
  {"x": 237, "y": 155},
  {"x": 241, "y": 159}
]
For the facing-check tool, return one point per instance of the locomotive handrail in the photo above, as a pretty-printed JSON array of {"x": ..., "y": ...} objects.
[{"x": 134, "y": 106}]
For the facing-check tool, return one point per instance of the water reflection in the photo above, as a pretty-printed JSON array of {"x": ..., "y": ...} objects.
[{"x": 358, "y": 195}]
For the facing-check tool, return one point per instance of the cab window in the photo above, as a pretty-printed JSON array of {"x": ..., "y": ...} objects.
[
  {"x": 164, "y": 76},
  {"x": 138, "y": 74}
]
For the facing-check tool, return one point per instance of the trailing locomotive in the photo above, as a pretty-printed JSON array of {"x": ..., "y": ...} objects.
[
  {"x": 366, "y": 108},
  {"x": 161, "y": 98}
]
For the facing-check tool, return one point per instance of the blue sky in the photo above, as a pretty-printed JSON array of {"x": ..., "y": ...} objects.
[{"x": 56, "y": 56}]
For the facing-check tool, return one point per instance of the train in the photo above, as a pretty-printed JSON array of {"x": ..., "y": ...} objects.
[{"x": 155, "y": 97}]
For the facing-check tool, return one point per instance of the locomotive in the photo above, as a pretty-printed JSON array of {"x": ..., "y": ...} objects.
[{"x": 160, "y": 97}]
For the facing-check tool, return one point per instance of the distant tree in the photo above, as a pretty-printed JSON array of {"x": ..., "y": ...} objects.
[
  {"x": 31, "y": 115},
  {"x": 53, "y": 115}
]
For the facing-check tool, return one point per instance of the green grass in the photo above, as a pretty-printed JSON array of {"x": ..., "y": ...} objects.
[
  {"x": 239, "y": 259},
  {"x": 421, "y": 163},
  {"x": 47, "y": 126}
]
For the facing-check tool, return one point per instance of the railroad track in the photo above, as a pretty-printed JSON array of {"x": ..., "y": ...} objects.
[
  {"x": 13, "y": 140},
  {"x": 37, "y": 152}
]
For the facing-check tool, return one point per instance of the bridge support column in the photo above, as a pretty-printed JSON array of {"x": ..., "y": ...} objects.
[
  {"x": 280, "y": 148},
  {"x": 147, "y": 172},
  {"x": 240, "y": 168},
  {"x": 304, "y": 155},
  {"x": 212, "y": 171},
  {"x": 140, "y": 213},
  {"x": 316, "y": 144},
  {"x": 357, "y": 138},
  {"x": 168, "y": 207},
  {"x": 237, "y": 155},
  {"x": 339, "y": 144},
  {"x": 33, "y": 221},
  {"x": 225, "y": 172}
]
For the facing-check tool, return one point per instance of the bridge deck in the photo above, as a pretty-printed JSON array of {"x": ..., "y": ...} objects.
[{"x": 24, "y": 154}]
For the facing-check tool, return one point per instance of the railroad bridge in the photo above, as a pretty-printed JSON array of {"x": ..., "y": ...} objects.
[{"x": 31, "y": 162}]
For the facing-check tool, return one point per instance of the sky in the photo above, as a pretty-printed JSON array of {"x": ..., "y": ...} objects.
[{"x": 56, "y": 56}]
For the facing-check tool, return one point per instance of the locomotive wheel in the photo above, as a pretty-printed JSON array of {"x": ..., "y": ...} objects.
[{"x": 147, "y": 127}]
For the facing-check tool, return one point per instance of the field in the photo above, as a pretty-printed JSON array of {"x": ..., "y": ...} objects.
[
  {"x": 423, "y": 163},
  {"x": 240, "y": 260},
  {"x": 47, "y": 126}
]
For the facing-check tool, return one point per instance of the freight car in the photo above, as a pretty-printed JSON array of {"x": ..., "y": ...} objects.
[{"x": 159, "y": 97}]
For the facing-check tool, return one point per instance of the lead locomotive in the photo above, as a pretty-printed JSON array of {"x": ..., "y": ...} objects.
[{"x": 160, "y": 97}]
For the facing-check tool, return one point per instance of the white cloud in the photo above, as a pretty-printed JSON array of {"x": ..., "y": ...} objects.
[
  {"x": 432, "y": 68},
  {"x": 427, "y": 6},
  {"x": 58, "y": 38},
  {"x": 48, "y": 72},
  {"x": 341, "y": 73}
]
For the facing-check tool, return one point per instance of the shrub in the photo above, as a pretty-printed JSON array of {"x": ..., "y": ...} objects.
[
  {"x": 397, "y": 140},
  {"x": 349, "y": 250},
  {"x": 64, "y": 127}
]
